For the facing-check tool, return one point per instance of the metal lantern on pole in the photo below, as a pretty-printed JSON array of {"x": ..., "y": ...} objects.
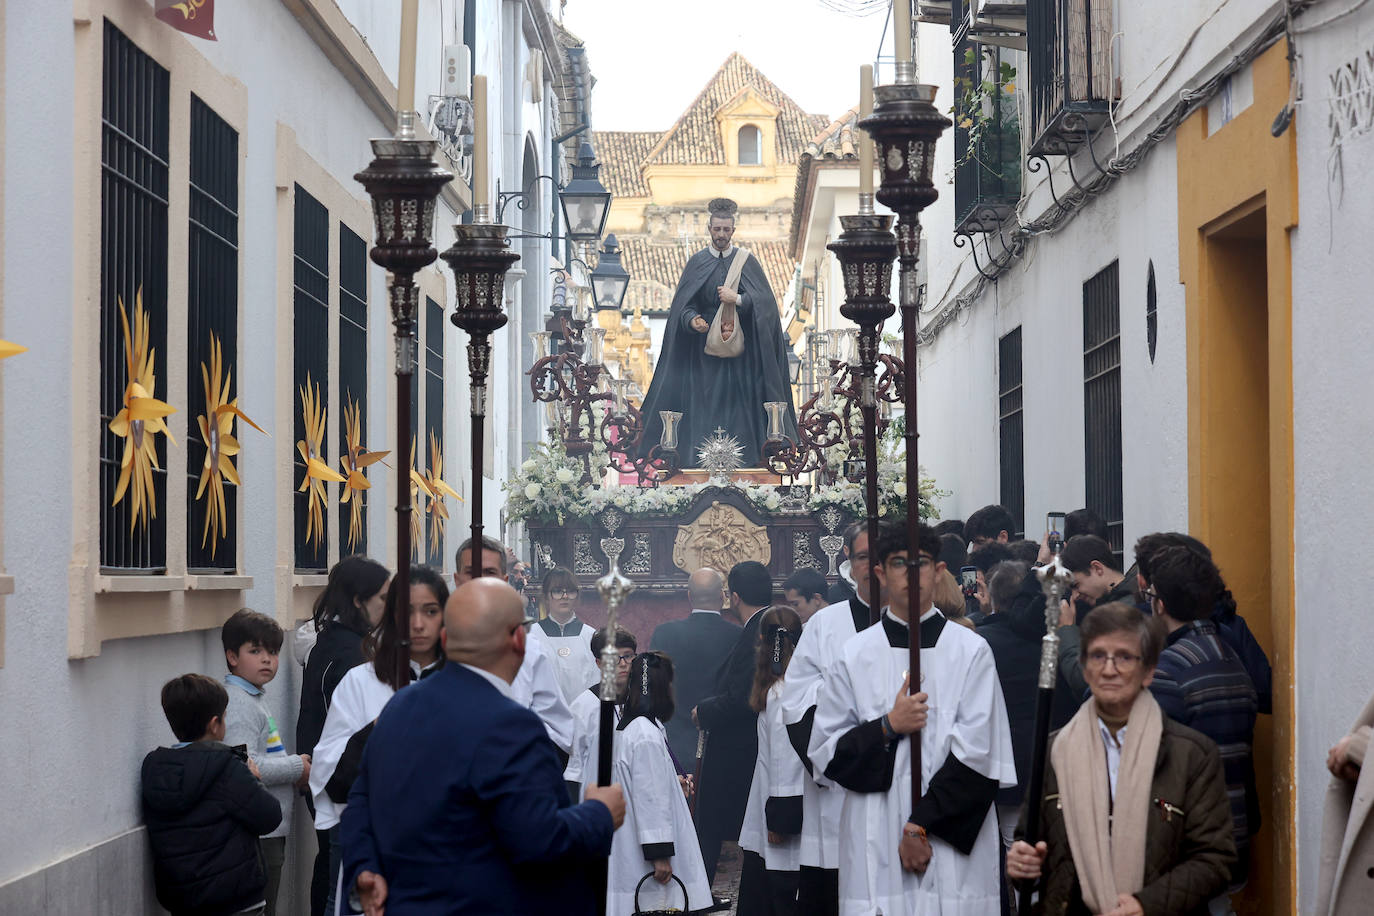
[
  {"x": 586, "y": 202},
  {"x": 905, "y": 125},
  {"x": 479, "y": 258},
  {"x": 403, "y": 182},
  {"x": 865, "y": 248},
  {"x": 609, "y": 279}
]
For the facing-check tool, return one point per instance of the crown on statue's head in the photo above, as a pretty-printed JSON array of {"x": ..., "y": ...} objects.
[{"x": 723, "y": 207}]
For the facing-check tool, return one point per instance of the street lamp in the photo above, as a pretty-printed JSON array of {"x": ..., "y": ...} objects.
[
  {"x": 403, "y": 182},
  {"x": 794, "y": 365},
  {"x": 609, "y": 280},
  {"x": 586, "y": 202}
]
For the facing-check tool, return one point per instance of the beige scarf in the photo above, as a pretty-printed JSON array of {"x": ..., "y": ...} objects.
[{"x": 1106, "y": 839}]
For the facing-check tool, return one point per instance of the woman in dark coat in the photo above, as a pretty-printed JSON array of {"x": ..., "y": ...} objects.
[
  {"x": 349, "y": 606},
  {"x": 1135, "y": 815}
]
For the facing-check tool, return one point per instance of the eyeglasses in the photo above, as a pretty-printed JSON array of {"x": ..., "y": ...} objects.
[
  {"x": 1123, "y": 661},
  {"x": 526, "y": 624},
  {"x": 625, "y": 659},
  {"x": 1149, "y": 595},
  {"x": 903, "y": 562},
  {"x": 562, "y": 593}
]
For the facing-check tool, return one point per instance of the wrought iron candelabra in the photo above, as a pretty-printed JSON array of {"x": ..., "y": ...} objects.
[
  {"x": 573, "y": 385},
  {"x": 833, "y": 416}
]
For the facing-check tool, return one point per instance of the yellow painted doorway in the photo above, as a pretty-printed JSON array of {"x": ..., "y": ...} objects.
[{"x": 1237, "y": 187}]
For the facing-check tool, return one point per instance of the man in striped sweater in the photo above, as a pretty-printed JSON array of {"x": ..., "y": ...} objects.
[{"x": 1200, "y": 682}]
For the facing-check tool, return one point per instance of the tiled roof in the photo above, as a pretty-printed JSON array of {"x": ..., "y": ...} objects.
[
  {"x": 695, "y": 138},
  {"x": 838, "y": 140},
  {"x": 837, "y": 143},
  {"x": 655, "y": 266},
  {"x": 622, "y": 154}
]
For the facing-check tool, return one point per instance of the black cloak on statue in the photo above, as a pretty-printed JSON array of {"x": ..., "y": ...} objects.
[{"x": 713, "y": 392}]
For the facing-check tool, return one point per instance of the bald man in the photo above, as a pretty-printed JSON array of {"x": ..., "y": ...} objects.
[
  {"x": 697, "y": 644},
  {"x": 536, "y": 685},
  {"x": 459, "y": 805}
]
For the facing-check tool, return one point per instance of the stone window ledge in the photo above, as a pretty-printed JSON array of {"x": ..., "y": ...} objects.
[
  {"x": 199, "y": 583},
  {"x": 126, "y": 584}
]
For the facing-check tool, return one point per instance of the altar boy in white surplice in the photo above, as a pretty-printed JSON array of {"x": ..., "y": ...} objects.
[{"x": 939, "y": 857}]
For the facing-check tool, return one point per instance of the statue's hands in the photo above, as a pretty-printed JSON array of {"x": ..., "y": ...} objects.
[
  {"x": 727, "y": 295},
  {"x": 699, "y": 325}
]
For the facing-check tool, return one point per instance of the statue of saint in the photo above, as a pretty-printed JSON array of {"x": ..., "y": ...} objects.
[{"x": 726, "y": 391}]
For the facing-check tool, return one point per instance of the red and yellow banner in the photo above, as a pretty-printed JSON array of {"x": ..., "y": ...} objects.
[{"x": 194, "y": 17}]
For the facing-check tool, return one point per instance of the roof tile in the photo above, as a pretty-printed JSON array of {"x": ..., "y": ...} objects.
[{"x": 695, "y": 139}]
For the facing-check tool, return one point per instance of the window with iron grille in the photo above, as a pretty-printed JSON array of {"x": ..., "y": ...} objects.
[
  {"x": 434, "y": 403},
  {"x": 133, "y": 265},
  {"x": 311, "y": 307},
  {"x": 1102, "y": 399},
  {"x": 352, "y": 367},
  {"x": 212, "y": 308},
  {"x": 1011, "y": 429}
]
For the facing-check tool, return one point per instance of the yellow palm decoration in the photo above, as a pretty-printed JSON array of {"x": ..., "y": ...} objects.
[
  {"x": 11, "y": 349},
  {"x": 140, "y": 419},
  {"x": 217, "y": 432},
  {"x": 353, "y": 464},
  {"x": 438, "y": 512},
  {"x": 418, "y": 486},
  {"x": 316, "y": 471}
]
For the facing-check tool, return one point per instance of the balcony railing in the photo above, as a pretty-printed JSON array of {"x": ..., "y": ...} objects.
[
  {"x": 987, "y": 142},
  {"x": 1071, "y": 80}
]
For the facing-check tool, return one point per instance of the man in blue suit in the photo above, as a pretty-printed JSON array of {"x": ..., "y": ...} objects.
[{"x": 459, "y": 806}]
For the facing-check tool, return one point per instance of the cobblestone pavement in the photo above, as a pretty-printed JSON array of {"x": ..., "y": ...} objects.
[{"x": 727, "y": 874}]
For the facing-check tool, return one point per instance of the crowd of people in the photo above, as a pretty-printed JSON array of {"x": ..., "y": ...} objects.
[{"x": 787, "y": 726}]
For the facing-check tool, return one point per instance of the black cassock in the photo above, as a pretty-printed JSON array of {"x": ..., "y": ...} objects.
[{"x": 709, "y": 391}]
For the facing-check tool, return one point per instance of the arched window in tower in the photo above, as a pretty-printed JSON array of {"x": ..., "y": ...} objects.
[{"x": 750, "y": 145}]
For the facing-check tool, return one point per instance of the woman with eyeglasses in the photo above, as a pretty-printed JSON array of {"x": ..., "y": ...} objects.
[
  {"x": 1135, "y": 818},
  {"x": 658, "y": 838},
  {"x": 771, "y": 833},
  {"x": 568, "y": 639}
]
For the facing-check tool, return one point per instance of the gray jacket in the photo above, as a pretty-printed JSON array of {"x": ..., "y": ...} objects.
[{"x": 248, "y": 721}]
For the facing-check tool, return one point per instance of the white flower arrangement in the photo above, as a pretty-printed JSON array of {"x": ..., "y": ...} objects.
[
  {"x": 548, "y": 487},
  {"x": 892, "y": 493}
]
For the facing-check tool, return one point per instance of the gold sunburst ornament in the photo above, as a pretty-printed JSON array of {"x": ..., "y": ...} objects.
[
  {"x": 438, "y": 489},
  {"x": 353, "y": 464},
  {"x": 316, "y": 471},
  {"x": 140, "y": 419},
  {"x": 8, "y": 349},
  {"x": 217, "y": 432},
  {"x": 418, "y": 486}
]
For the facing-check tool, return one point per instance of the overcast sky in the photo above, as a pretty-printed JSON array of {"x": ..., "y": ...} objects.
[{"x": 651, "y": 57}]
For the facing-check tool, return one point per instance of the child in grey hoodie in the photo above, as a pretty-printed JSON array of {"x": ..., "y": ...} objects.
[{"x": 252, "y": 643}]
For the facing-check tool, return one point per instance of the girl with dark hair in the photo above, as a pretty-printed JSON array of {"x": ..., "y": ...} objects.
[
  {"x": 658, "y": 836},
  {"x": 771, "y": 833},
  {"x": 364, "y": 691},
  {"x": 350, "y": 605}
]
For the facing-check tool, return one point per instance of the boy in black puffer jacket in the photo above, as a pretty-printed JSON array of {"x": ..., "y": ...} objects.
[{"x": 204, "y": 808}]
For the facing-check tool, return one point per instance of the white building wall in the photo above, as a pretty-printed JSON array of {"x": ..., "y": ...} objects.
[
  {"x": 1333, "y": 427},
  {"x": 1043, "y": 294},
  {"x": 74, "y": 731}
]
